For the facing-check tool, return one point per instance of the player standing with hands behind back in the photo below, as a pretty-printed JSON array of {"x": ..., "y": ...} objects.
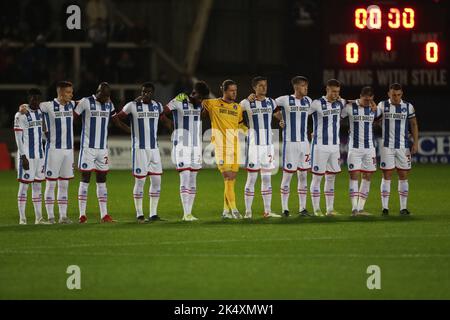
[{"x": 397, "y": 117}]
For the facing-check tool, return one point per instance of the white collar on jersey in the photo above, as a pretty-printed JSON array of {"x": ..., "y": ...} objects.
[
  {"x": 56, "y": 100},
  {"x": 151, "y": 103},
  {"x": 390, "y": 102},
  {"x": 293, "y": 96}
]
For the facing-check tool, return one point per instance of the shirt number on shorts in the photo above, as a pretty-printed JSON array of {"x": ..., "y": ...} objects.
[{"x": 106, "y": 160}]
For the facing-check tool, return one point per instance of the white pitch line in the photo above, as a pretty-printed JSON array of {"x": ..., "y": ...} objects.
[{"x": 222, "y": 255}]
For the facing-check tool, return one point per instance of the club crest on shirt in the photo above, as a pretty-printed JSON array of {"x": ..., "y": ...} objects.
[
  {"x": 403, "y": 109},
  {"x": 235, "y": 107}
]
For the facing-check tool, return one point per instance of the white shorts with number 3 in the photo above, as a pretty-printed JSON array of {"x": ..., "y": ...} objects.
[{"x": 395, "y": 158}]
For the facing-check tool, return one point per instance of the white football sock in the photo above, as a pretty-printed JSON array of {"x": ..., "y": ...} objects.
[
  {"x": 403, "y": 189},
  {"x": 385, "y": 193},
  {"x": 154, "y": 192},
  {"x": 329, "y": 191},
  {"x": 302, "y": 189},
  {"x": 184, "y": 190},
  {"x": 353, "y": 191},
  {"x": 22, "y": 199},
  {"x": 82, "y": 197},
  {"x": 102, "y": 196},
  {"x": 266, "y": 190},
  {"x": 314, "y": 190},
  {"x": 63, "y": 187},
  {"x": 138, "y": 194},
  {"x": 363, "y": 193},
  {"x": 285, "y": 189},
  {"x": 249, "y": 192},
  {"x": 36, "y": 194},
  {"x": 49, "y": 195},
  {"x": 192, "y": 189}
]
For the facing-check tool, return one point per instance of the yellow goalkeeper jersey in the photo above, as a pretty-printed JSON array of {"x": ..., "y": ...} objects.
[{"x": 226, "y": 120}]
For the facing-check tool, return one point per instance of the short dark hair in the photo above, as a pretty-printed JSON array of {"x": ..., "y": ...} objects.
[
  {"x": 202, "y": 88},
  {"x": 333, "y": 83},
  {"x": 395, "y": 86},
  {"x": 298, "y": 79},
  {"x": 367, "y": 91},
  {"x": 257, "y": 79},
  {"x": 226, "y": 84},
  {"x": 148, "y": 85},
  {"x": 34, "y": 92},
  {"x": 64, "y": 84}
]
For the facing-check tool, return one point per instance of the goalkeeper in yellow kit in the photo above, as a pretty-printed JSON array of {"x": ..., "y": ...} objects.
[{"x": 226, "y": 120}]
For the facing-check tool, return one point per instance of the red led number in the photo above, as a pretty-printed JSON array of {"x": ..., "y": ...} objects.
[
  {"x": 432, "y": 52},
  {"x": 352, "y": 52},
  {"x": 372, "y": 18}
]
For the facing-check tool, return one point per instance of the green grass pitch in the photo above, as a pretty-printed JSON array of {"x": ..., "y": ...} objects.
[{"x": 294, "y": 258}]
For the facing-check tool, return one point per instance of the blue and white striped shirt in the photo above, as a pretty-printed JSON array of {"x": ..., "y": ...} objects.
[
  {"x": 295, "y": 116},
  {"x": 144, "y": 123},
  {"x": 30, "y": 124},
  {"x": 187, "y": 123},
  {"x": 395, "y": 123},
  {"x": 58, "y": 120},
  {"x": 361, "y": 125},
  {"x": 259, "y": 116},
  {"x": 326, "y": 121},
  {"x": 95, "y": 120}
]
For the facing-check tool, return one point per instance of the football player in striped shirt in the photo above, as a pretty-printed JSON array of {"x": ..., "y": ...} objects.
[
  {"x": 325, "y": 154},
  {"x": 258, "y": 114},
  {"x": 187, "y": 142},
  {"x": 95, "y": 112},
  {"x": 58, "y": 120},
  {"x": 398, "y": 118},
  {"x": 144, "y": 114},
  {"x": 30, "y": 155},
  {"x": 293, "y": 111},
  {"x": 361, "y": 156}
]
